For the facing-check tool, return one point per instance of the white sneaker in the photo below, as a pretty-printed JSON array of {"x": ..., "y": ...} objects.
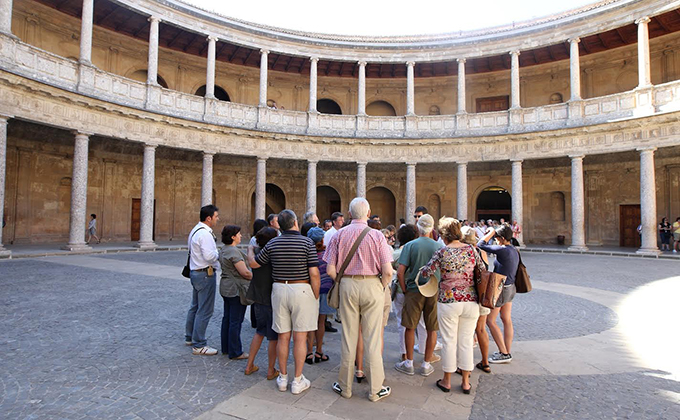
[
  {"x": 282, "y": 382},
  {"x": 204, "y": 351},
  {"x": 299, "y": 386}
]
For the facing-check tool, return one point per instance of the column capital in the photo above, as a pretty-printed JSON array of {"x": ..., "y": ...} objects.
[
  {"x": 264, "y": 51},
  {"x": 150, "y": 146},
  {"x": 154, "y": 19},
  {"x": 314, "y": 161},
  {"x": 516, "y": 161},
  {"x": 314, "y": 59},
  {"x": 5, "y": 118},
  {"x": 209, "y": 153},
  {"x": 461, "y": 60},
  {"x": 362, "y": 163},
  {"x": 577, "y": 157},
  {"x": 361, "y": 63},
  {"x": 644, "y": 19},
  {"x": 82, "y": 134},
  {"x": 262, "y": 159},
  {"x": 516, "y": 52},
  {"x": 462, "y": 163},
  {"x": 646, "y": 149},
  {"x": 410, "y": 164},
  {"x": 212, "y": 38},
  {"x": 410, "y": 63},
  {"x": 574, "y": 40}
]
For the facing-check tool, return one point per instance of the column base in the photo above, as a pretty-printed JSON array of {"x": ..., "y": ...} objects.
[
  {"x": 577, "y": 248},
  {"x": 81, "y": 247},
  {"x": 144, "y": 246},
  {"x": 648, "y": 251},
  {"x": 5, "y": 253}
]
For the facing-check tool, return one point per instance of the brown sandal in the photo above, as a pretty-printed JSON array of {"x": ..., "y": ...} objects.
[
  {"x": 251, "y": 371},
  {"x": 274, "y": 375}
]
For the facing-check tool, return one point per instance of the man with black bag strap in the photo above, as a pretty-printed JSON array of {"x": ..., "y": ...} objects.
[
  {"x": 202, "y": 264},
  {"x": 361, "y": 296}
]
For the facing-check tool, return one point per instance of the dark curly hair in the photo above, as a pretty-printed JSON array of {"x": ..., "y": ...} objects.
[
  {"x": 406, "y": 234},
  {"x": 504, "y": 231},
  {"x": 228, "y": 232}
]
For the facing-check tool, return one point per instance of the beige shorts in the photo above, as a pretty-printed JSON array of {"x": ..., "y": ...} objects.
[{"x": 294, "y": 308}]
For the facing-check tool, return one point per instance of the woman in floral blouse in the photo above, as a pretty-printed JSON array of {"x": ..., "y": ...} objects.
[{"x": 457, "y": 308}]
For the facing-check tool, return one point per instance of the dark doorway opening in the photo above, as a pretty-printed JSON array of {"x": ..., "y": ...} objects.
[{"x": 494, "y": 203}]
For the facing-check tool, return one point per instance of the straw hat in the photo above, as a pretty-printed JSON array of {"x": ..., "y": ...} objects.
[{"x": 430, "y": 288}]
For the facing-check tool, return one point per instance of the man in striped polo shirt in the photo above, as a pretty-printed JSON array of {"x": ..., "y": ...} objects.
[{"x": 295, "y": 294}]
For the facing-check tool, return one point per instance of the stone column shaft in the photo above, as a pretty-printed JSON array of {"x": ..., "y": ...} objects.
[
  {"x": 514, "y": 80},
  {"x": 264, "y": 64},
  {"x": 578, "y": 200},
  {"x": 311, "y": 186},
  {"x": 574, "y": 69},
  {"x": 207, "y": 180},
  {"x": 517, "y": 198},
  {"x": 461, "y": 86},
  {"x": 152, "y": 68},
  {"x": 644, "y": 63},
  {"x": 312, "y": 83},
  {"x": 361, "y": 92},
  {"x": 410, "y": 88},
  {"x": 3, "y": 174},
  {"x": 410, "y": 192},
  {"x": 361, "y": 179},
  {"x": 210, "y": 69},
  {"x": 648, "y": 214},
  {"x": 461, "y": 192},
  {"x": 76, "y": 241},
  {"x": 148, "y": 183},
  {"x": 5, "y": 22},
  {"x": 86, "y": 32},
  {"x": 261, "y": 188}
]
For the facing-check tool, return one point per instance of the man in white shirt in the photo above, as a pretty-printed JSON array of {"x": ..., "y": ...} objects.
[
  {"x": 203, "y": 262},
  {"x": 338, "y": 219}
]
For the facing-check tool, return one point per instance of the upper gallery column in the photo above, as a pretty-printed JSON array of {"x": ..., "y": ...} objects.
[
  {"x": 461, "y": 192},
  {"x": 461, "y": 86},
  {"x": 517, "y": 198},
  {"x": 514, "y": 79},
  {"x": 410, "y": 192},
  {"x": 210, "y": 69},
  {"x": 3, "y": 173},
  {"x": 311, "y": 185},
  {"x": 361, "y": 92},
  {"x": 644, "y": 70},
  {"x": 648, "y": 202},
  {"x": 148, "y": 185},
  {"x": 152, "y": 68},
  {"x": 261, "y": 188},
  {"x": 312, "y": 83},
  {"x": 410, "y": 88},
  {"x": 575, "y": 69},
  {"x": 207, "y": 179},
  {"x": 264, "y": 60},
  {"x": 361, "y": 179},
  {"x": 578, "y": 200},
  {"x": 86, "y": 32},
  {"x": 5, "y": 23},
  {"x": 76, "y": 236}
]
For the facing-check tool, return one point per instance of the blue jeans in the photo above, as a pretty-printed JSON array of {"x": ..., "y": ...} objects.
[
  {"x": 202, "y": 307},
  {"x": 232, "y": 320}
]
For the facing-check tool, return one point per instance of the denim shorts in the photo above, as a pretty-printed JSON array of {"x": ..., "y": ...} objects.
[
  {"x": 263, "y": 321},
  {"x": 324, "y": 309},
  {"x": 508, "y": 293}
]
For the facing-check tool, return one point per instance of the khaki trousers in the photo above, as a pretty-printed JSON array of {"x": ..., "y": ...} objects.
[{"x": 361, "y": 301}]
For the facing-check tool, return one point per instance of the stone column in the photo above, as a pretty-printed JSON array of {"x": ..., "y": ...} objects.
[
  {"x": 461, "y": 87},
  {"x": 5, "y": 23},
  {"x": 410, "y": 192},
  {"x": 514, "y": 80},
  {"x": 361, "y": 179},
  {"x": 410, "y": 88},
  {"x": 644, "y": 70},
  {"x": 76, "y": 237},
  {"x": 261, "y": 188},
  {"x": 152, "y": 68},
  {"x": 517, "y": 198},
  {"x": 264, "y": 64},
  {"x": 210, "y": 70},
  {"x": 148, "y": 182},
  {"x": 648, "y": 214},
  {"x": 86, "y": 32},
  {"x": 578, "y": 200},
  {"x": 207, "y": 180},
  {"x": 311, "y": 185},
  {"x": 574, "y": 69},
  {"x": 3, "y": 173},
  {"x": 361, "y": 92},
  {"x": 461, "y": 192},
  {"x": 312, "y": 83}
]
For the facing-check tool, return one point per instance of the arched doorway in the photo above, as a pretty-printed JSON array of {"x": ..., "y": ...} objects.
[
  {"x": 275, "y": 201},
  {"x": 383, "y": 204},
  {"x": 380, "y": 109},
  {"x": 220, "y": 93},
  {"x": 142, "y": 75},
  {"x": 494, "y": 203},
  {"x": 327, "y": 202},
  {"x": 328, "y": 106}
]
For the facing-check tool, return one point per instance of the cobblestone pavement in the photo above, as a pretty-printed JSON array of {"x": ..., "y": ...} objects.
[{"x": 101, "y": 337}]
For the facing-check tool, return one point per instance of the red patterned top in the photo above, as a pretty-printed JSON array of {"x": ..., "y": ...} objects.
[{"x": 457, "y": 269}]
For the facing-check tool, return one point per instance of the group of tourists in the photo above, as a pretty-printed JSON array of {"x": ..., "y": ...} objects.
[
  {"x": 290, "y": 270},
  {"x": 668, "y": 231}
]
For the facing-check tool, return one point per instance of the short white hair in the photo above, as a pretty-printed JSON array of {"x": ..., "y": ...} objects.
[{"x": 359, "y": 208}]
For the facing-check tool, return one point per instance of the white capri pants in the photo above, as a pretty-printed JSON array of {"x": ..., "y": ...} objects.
[{"x": 457, "y": 322}]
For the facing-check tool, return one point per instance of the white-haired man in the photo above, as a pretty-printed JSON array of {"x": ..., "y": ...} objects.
[{"x": 362, "y": 297}]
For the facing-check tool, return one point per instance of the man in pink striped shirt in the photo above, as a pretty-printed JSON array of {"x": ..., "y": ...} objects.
[{"x": 362, "y": 292}]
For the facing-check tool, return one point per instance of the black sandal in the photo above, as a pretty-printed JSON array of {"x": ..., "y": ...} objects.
[
  {"x": 359, "y": 378},
  {"x": 459, "y": 372},
  {"x": 442, "y": 387},
  {"x": 320, "y": 357},
  {"x": 483, "y": 367},
  {"x": 309, "y": 359}
]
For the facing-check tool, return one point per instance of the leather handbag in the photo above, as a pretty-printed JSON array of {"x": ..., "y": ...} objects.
[
  {"x": 334, "y": 293},
  {"x": 186, "y": 271},
  {"x": 522, "y": 280},
  {"x": 489, "y": 285}
]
